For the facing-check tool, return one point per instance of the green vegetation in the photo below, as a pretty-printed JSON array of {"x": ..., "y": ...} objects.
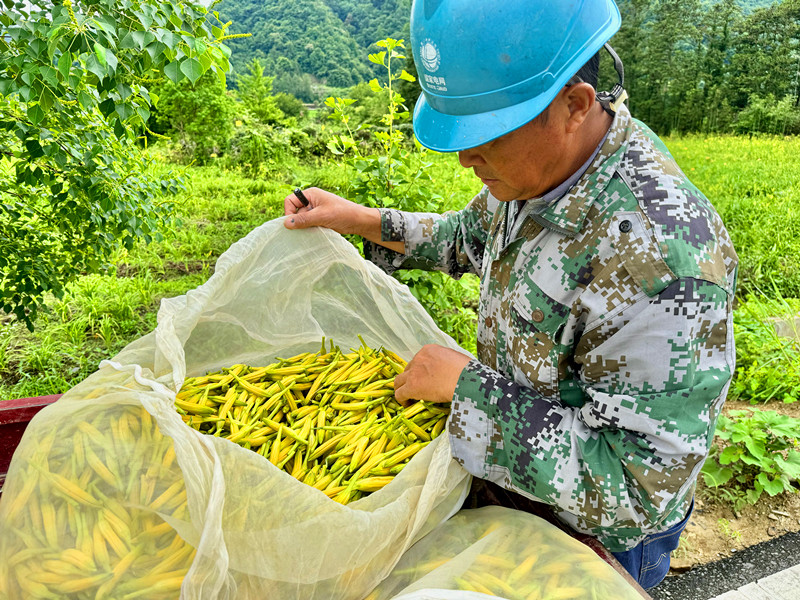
[
  {"x": 315, "y": 41},
  {"x": 710, "y": 66},
  {"x": 100, "y": 314},
  {"x": 767, "y": 350},
  {"x": 756, "y": 451},
  {"x": 74, "y": 79},
  {"x": 754, "y": 183}
]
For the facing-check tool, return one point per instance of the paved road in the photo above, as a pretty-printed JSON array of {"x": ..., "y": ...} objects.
[{"x": 743, "y": 568}]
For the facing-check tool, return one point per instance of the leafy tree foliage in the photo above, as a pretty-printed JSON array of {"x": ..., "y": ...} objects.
[
  {"x": 197, "y": 116},
  {"x": 289, "y": 105},
  {"x": 255, "y": 92},
  {"x": 74, "y": 86},
  {"x": 694, "y": 65}
]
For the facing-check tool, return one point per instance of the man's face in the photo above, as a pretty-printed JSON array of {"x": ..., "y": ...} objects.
[{"x": 520, "y": 165}]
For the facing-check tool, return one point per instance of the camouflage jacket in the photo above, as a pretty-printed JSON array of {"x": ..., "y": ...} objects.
[{"x": 605, "y": 337}]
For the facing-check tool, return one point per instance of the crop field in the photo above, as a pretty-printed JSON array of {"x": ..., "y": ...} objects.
[{"x": 753, "y": 182}]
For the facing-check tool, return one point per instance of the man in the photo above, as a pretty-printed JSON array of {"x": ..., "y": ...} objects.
[{"x": 605, "y": 341}]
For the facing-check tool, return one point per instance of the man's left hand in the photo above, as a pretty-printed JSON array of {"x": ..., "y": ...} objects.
[{"x": 431, "y": 375}]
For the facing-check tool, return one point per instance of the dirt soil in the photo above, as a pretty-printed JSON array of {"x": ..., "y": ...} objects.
[{"x": 715, "y": 531}]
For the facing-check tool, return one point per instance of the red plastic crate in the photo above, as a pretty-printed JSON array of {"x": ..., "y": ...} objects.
[{"x": 14, "y": 418}]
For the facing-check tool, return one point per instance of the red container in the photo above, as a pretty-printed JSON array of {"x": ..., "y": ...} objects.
[{"x": 14, "y": 418}]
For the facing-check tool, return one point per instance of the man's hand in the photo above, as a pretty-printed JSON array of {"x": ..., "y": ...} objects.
[
  {"x": 431, "y": 375},
  {"x": 328, "y": 210},
  {"x": 334, "y": 212}
]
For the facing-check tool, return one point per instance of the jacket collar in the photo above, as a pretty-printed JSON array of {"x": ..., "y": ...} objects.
[{"x": 568, "y": 214}]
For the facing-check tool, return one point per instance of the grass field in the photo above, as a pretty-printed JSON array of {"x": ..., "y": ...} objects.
[{"x": 755, "y": 184}]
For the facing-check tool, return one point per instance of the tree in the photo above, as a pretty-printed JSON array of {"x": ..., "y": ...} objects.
[
  {"x": 255, "y": 91},
  {"x": 767, "y": 53},
  {"x": 198, "y": 116},
  {"x": 289, "y": 105},
  {"x": 74, "y": 88}
]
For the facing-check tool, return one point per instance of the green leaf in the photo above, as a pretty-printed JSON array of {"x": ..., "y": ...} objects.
[
  {"x": 107, "y": 107},
  {"x": 85, "y": 100},
  {"x": 772, "y": 486},
  {"x": 143, "y": 38},
  {"x": 729, "y": 455},
  {"x": 35, "y": 114},
  {"x": 167, "y": 37},
  {"x": 50, "y": 75},
  {"x": 715, "y": 475},
  {"x": 377, "y": 58},
  {"x": 111, "y": 59},
  {"x": 790, "y": 466},
  {"x": 100, "y": 52},
  {"x": 124, "y": 111},
  {"x": 173, "y": 71},
  {"x": 34, "y": 148},
  {"x": 107, "y": 24},
  {"x": 93, "y": 66},
  {"x": 155, "y": 49},
  {"x": 405, "y": 75},
  {"x": 205, "y": 61},
  {"x": 46, "y": 99},
  {"x": 36, "y": 47},
  {"x": 119, "y": 129},
  {"x": 64, "y": 63},
  {"x": 192, "y": 68},
  {"x": 128, "y": 42}
]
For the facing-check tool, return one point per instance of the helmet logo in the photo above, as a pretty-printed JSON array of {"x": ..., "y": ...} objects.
[{"x": 430, "y": 56}]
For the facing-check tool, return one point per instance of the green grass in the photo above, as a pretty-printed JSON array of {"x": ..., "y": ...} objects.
[{"x": 754, "y": 184}]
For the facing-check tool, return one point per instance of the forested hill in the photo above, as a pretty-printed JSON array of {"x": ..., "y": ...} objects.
[
  {"x": 307, "y": 42},
  {"x": 751, "y": 5},
  {"x": 328, "y": 39}
]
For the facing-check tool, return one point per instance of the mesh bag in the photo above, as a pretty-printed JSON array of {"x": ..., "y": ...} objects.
[
  {"x": 500, "y": 552},
  {"x": 111, "y": 495}
]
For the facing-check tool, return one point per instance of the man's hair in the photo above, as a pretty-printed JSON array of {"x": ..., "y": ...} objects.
[{"x": 588, "y": 73}]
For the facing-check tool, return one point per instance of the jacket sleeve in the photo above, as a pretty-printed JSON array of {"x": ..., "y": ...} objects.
[
  {"x": 452, "y": 242},
  {"x": 653, "y": 380}
]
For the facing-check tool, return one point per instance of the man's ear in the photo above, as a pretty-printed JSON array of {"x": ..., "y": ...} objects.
[{"x": 579, "y": 100}]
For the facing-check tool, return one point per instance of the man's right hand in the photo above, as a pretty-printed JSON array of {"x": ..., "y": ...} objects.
[{"x": 334, "y": 212}]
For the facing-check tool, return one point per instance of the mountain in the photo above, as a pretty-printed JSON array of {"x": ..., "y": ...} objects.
[
  {"x": 304, "y": 43},
  {"x": 326, "y": 39}
]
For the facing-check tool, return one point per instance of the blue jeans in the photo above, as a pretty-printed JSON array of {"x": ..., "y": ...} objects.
[{"x": 648, "y": 563}]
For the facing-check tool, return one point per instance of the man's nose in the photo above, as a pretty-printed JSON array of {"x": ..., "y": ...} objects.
[{"x": 470, "y": 158}]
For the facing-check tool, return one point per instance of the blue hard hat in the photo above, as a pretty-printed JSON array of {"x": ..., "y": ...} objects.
[{"x": 487, "y": 68}]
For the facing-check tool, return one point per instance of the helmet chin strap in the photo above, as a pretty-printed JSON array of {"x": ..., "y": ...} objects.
[{"x": 611, "y": 101}]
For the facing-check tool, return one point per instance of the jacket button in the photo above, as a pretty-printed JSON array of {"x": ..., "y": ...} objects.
[
  {"x": 537, "y": 316},
  {"x": 625, "y": 226},
  {"x": 489, "y": 322}
]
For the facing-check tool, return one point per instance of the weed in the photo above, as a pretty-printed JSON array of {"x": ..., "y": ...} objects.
[
  {"x": 733, "y": 535},
  {"x": 685, "y": 547},
  {"x": 767, "y": 365}
]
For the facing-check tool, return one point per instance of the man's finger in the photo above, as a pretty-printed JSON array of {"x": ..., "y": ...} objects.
[
  {"x": 399, "y": 385},
  {"x": 297, "y": 221},
  {"x": 291, "y": 205}
]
